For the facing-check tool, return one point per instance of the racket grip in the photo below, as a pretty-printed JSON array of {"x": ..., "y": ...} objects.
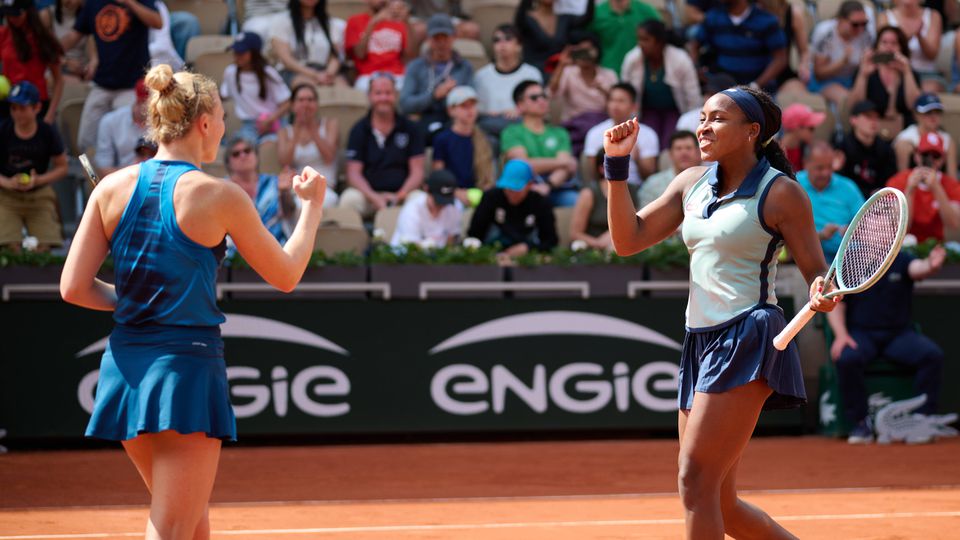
[{"x": 793, "y": 327}]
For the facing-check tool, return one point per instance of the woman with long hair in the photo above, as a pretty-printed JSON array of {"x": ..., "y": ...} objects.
[
  {"x": 27, "y": 50},
  {"x": 665, "y": 77},
  {"x": 923, "y": 28},
  {"x": 163, "y": 387},
  {"x": 544, "y": 34},
  {"x": 259, "y": 95},
  {"x": 886, "y": 78},
  {"x": 310, "y": 141},
  {"x": 309, "y": 43},
  {"x": 735, "y": 216}
]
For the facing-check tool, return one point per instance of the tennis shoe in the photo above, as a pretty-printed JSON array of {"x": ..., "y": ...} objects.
[{"x": 861, "y": 434}]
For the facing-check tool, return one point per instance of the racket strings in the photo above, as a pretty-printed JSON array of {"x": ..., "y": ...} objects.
[{"x": 871, "y": 242}]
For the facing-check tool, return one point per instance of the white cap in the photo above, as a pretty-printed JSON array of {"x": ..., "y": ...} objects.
[{"x": 460, "y": 95}]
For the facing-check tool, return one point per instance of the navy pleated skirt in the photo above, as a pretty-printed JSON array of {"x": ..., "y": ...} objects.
[
  {"x": 724, "y": 358},
  {"x": 158, "y": 378}
]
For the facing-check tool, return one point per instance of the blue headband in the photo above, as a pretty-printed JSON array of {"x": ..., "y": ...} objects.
[{"x": 748, "y": 104}]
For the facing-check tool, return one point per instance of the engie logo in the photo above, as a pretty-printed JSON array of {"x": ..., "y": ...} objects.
[
  {"x": 318, "y": 390},
  {"x": 465, "y": 389}
]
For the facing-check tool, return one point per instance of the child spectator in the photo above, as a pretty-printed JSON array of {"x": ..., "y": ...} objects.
[
  {"x": 462, "y": 148},
  {"x": 311, "y": 141},
  {"x": 431, "y": 219},
  {"x": 27, "y": 50},
  {"x": 380, "y": 41},
  {"x": 259, "y": 94},
  {"x": 28, "y": 147}
]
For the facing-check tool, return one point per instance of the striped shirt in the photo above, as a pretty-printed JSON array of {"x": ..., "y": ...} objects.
[{"x": 743, "y": 50}]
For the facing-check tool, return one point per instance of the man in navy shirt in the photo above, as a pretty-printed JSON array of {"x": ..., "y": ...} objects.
[
  {"x": 120, "y": 29},
  {"x": 384, "y": 153},
  {"x": 745, "y": 41},
  {"x": 878, "y": 323}
]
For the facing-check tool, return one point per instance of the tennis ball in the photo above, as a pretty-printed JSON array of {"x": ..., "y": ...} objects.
[
  {"x": 474, "y": 195},
  {"x": 24, "y": 179},
  {"x": 4, "y": 87}
]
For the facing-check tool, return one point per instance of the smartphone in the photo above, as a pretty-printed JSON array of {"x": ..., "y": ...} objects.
[
  {"x": 882, "y": 58},
  {"x": 927, "y": 160},
  {"x": 581, "y": 54}
]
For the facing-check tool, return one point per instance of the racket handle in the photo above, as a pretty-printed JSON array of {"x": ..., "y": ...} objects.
[{"x": 793, "y": 328}]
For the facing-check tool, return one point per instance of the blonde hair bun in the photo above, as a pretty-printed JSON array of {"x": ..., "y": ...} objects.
[{"x": 160, "y": 79}]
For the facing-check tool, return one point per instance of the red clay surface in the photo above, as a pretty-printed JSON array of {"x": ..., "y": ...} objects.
[{"x": 523, "y": 490}]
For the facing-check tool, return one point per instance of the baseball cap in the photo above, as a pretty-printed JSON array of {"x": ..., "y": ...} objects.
[
  {"x": 24, "y": 93},
  {"x": 799, "y": 115},
  {"x": 931, "y": 143},
  {"x": 460, "y": 95},
  {"x": 246, "y": 41},
  {"x": 516, "y": 175},
  {"x": 928, "y": 102},
  {"x": 439, "y": 23},
  {"x": 863, "y": 106},
  {"x": 441, "y": 184},
  {"x": 718, "y": 82}
]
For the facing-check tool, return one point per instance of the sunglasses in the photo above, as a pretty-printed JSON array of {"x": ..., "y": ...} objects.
[
  {"x": 859, "y": 24},
  {"x": 537, "y": 97},
  {"x": 383, "y": 75},
  {"x": 498, "y": 39},
  {"x": 242, "y": 151}
]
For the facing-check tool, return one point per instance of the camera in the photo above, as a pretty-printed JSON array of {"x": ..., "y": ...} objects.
[
  {"x": 928, "y": 159},
  {"x": 882, "y": 58},
  {"x": 581, "y": 54}
]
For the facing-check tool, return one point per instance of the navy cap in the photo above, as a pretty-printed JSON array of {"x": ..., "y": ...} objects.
[
  {"x": 247, "y": 41},
  {"x": 864, "y": 106},
  {"x": 440, "y": 23},
  {"x": 24, "y": 93},
  {"x": 928, "y": 102}
]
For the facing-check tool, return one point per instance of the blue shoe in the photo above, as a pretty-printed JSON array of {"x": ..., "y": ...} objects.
[{"x": 861, "y": 434}]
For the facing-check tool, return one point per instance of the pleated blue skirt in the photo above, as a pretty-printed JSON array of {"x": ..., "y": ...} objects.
[
  {"x": 158, "y": 378},
  {"x": 722, "y": 359}
]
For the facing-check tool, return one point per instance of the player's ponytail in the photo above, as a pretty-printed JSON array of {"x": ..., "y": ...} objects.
[{"x": 767, "y": 144}]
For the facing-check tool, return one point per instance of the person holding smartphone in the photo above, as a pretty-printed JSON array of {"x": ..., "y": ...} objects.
[
  {"x": 886, "y": 79},
  {"x": 934, "y": 197}
]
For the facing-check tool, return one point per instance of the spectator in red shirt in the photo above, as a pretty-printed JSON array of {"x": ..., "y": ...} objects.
[
  {"x": 934, "y": 197},
  {"x": 380, "y": 40},
  {"x": 27, "y": 50}
]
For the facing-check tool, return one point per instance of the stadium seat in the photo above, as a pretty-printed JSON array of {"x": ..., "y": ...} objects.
[
  {"x": 344, "y": 9},
  {"x": 951, "y": 115},
  {"x": 945, "y": 57},
  {"x": 488, "y": 14},
  {"x": 341, "y": 217},
  {"x": 212, "y": 64},
  {"x": 332, "y": 240},
  {"x": 231, "y": 119},
  {"x": 69, "y": 115},
  {"x": 587, "y": 171},
  {"x": 386, "y": 220},
  {"x": 563, "y": 217},
  {"x": 347, "y": 105},
  {"x": 211, "y": 13},
  {"x": 663, "y": 160},
  {"x": 473, "y": 51},
  {"x": 269, "y": 157},
  {"x": 203, "y": 44}
]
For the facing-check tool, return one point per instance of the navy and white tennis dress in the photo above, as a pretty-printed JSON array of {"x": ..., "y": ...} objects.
[
  {"x": 732, "y": 312},
  {"x": 163, "y": 367}
]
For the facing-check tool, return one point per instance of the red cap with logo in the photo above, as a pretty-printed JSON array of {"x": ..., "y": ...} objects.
[{"x": 931, "y": 143}]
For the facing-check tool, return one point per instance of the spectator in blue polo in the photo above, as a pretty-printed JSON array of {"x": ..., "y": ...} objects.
[
  {"x": 835, "y": 199},
  {"x": 743, "y": 40},
  {"x": 514, "y": 216}
]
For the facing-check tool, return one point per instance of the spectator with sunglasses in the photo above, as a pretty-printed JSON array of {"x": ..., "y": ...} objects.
[
  {"x": 545, "y": 147},
  {"x": 271, "y": 195},
  {"x": 838, "y": 44},
  {"x": 933, "y": 197},
  {"x": 496, "y": 81}
]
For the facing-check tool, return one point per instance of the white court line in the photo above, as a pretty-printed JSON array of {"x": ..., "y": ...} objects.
[
  {"x": 488, "y": 526},
  {"x": 510, "y": 498}
]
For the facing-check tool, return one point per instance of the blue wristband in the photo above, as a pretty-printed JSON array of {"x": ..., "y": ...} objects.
[{"x": 616, "y": 168}]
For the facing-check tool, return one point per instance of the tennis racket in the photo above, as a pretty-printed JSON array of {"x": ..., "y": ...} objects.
[
  {"x": 88, "y": 168},
  {"x": 868, "y": 248}
]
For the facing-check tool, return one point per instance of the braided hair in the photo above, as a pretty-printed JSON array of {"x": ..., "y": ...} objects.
[{"x": 767, "y": 146}]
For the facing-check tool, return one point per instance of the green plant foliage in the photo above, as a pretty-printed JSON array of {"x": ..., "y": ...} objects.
[
  {"x": 670, "y": 253},
  {"x": 29, "y": 258},
  {"x": 415, "y": 254},
  {"x": 922, "y": 250}
]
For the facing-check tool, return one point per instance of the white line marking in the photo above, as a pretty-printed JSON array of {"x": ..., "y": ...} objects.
[{"x": 508, "y": 525}]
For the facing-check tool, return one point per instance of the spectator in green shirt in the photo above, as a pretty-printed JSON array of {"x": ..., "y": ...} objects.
[
  {"x": 546, "y": 147},
  {"x": 615, "y": 21}
]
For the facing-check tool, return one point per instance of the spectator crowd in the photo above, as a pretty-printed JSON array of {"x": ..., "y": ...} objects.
[{"x": 517, "y": 137}]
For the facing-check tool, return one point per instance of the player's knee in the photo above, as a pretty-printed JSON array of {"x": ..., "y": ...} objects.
[
  {"x": 696, "y": 483},
  {"x": 175, "y": 522}
]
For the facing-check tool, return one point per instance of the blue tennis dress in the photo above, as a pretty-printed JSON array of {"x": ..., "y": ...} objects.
[
  {"x": 163, "y": 367},
  {"x": 732, "y": 312}
]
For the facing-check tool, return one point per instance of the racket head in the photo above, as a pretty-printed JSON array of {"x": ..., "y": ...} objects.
[
  {"x": 88, "y": 168},
  {"x": 871, "y": 242}
]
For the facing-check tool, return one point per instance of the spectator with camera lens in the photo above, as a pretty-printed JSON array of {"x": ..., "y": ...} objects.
[{"x": 934, "y": 197}]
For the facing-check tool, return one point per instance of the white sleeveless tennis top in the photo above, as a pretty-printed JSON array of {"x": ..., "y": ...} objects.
[{"x": 733, "y": 254}]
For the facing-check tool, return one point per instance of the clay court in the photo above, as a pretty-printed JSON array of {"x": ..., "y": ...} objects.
[{"x": 583, "y": 490}]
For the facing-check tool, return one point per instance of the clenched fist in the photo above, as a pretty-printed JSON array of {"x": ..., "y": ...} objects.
[
  {"x": 619, "y": 140},
  {"x": 310, "y": 186}
]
